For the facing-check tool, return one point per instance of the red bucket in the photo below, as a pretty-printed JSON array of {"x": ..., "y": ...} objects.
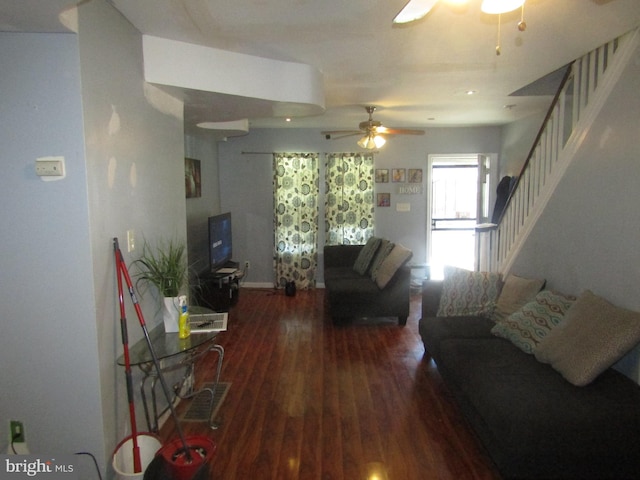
[{"x": 202, "y": 450}]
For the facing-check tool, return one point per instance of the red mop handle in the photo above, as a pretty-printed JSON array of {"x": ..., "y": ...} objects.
[
  {"x": 156, "y": 362},
  {"x": 134, "y": 299},
  {"x": 137, "y": 462}
]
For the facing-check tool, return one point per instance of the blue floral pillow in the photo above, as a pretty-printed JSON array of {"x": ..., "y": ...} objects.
[
  {"x": 527, "y": 327},
  {"x": 467, "y": 293}
]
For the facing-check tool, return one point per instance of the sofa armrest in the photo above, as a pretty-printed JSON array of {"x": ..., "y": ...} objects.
[
  {"x": 341, "y": 255},
  {"x": 431, "y": 292}
]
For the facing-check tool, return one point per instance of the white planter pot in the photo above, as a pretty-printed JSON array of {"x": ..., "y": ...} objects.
[{"x": 170, "y": 314}]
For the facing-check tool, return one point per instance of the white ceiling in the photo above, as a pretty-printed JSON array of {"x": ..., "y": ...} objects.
[{"x": 415, "y": 75}]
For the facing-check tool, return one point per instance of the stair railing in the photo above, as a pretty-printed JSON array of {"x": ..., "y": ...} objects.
[{"x": 582, "y": 92}]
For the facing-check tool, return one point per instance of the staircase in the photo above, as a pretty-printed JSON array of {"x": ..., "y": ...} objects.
[{"x": 584, "y": 90}]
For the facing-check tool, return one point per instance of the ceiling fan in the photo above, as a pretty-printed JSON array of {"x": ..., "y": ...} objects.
[
  {"x": 416, "y": 9},
  {"x": 372, "y": 131}
]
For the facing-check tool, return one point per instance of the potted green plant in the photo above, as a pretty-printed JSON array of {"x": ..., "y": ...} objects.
[{"x": 165, "y": 267}]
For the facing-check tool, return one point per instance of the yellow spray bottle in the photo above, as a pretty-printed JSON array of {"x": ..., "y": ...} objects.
[{"x": 184, "y": 329}]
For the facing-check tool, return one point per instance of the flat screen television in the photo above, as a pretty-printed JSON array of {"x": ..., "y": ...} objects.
[{"x": 220, "y": 246}]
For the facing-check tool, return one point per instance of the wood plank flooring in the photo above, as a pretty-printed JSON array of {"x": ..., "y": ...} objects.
[{"x": 310, "y": 400}]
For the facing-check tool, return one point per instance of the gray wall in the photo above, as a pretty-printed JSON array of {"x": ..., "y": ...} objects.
[
  {"x": 246, "y": 184},
  {"x": 82, "y": 96},
  {"x": 50, "y": 373},
  {"x": 517, "y": 140},
  {"x": 199, "y": 209},
  {"x": 135, "y": 176}
]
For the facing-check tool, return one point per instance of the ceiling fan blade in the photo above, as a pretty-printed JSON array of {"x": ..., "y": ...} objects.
[
  {"x": 337, "y": 134},
  {"x": 340, "y": 132},
  {"x": 352, "y": 134},
  {"x": 414, "y": 10},
  {"x": 399, "y": 131}
]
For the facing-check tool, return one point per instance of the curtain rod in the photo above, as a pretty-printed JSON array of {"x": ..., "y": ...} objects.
[{"x": 304, "y": 153}]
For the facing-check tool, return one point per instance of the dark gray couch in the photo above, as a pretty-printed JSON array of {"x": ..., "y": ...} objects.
[
  {"x": 532, "y": 422},
  {"x": 351, "y": 295}
]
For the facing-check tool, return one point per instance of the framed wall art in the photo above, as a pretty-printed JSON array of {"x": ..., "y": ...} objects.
[
  {"x": 382, "y": 175},
  {"x": 384, "y": 199},
  {"x": 415, "y": 175},
  {"x": 399, "y": 175},
  {"x": 192, "y": 186}
]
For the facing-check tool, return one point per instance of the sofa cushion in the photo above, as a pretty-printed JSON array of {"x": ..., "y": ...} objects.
[
  {"x": 526, "y": 327},
  {"x": 385, "y": 248},
  {"x": 593, "y": 336},
  {"x": 535, "y": 424},
  {"x": 390, "y": 265},
  {"x": 434, "y": 330},
  {"x": 516, "y": 292},
  {"x": 468, "y": 293},
  {"x": 365, "y": 257}
]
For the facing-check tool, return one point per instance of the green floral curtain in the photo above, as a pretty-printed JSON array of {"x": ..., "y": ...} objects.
[
  {"x": 349, "y": 207},
  {"x": 296, "y": 190}
]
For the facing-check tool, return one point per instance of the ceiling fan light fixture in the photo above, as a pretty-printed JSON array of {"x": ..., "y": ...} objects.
[
  {"x": 371, "y": 141},
  {"x": 414, "y": 10},
  {"x": 497, "y": 7}
]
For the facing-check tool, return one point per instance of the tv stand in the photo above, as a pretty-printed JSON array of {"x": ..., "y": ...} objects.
[{"x": 219, "y": 291}]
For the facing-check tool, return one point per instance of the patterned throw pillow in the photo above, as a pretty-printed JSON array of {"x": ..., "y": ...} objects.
[
  {"x": 385, "y": 249},
  {"x": 593, "y": 336},
  {"x": 466, "y": 293},
  {"x": 516, "y": 292},
  {"x": 390, "y": 265},
  {"x": 366, "y": 255},
  {"x": 527, "y": 327}
]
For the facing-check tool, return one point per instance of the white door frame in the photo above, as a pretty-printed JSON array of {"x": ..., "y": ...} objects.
[{"x": 483, "y": 188}]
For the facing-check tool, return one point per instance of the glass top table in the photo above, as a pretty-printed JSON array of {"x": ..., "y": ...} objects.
[{"x": 165, "y": 346}]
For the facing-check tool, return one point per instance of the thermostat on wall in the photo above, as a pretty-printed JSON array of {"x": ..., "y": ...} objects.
[{"x": 50, "y": 168}]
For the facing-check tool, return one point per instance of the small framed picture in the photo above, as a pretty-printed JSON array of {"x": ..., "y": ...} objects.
[
  {"x": 415, "y": 175},
  {"x": 384, "y": 199},
  {"x": 192, "y": 186},
  {"x": 382, "y": 175},
  {"x": 399, "y": 175}
]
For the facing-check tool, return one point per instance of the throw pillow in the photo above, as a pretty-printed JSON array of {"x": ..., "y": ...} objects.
[
  {"x": 390, "y": 265},
  {"x": 467, "y": 293},
  {"x": 515, "y": 293},
  {"x": 385, "y": 248},
  {"x": 594, "y": 335},
  {"x": 365, "y": 256},
  {"x": 534, "y": 321}
]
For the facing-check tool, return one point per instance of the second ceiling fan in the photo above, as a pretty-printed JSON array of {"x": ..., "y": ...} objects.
[{"x": 372, "y": 131}]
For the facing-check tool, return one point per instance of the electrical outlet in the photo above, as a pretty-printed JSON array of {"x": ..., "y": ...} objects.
[
  {"x": 16, "y": 429},
  {"x": 247, "y": 265}
]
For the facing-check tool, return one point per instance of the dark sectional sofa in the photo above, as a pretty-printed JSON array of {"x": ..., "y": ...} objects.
[
  {"x": 354, "y": 295},
  {"x": 532, "y": 422}
]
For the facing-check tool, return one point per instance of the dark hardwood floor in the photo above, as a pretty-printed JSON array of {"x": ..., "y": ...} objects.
[{"x": 310, "y": 400}]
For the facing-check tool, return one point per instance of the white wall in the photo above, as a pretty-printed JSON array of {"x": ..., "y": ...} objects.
[
  {"x": 50, "y": 373},
  {"x": 587, "y": 238},
  {"x": 246, "y": 184}
]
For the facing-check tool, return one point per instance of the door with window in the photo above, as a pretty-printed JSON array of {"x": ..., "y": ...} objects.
[{"x": 458, "y": 201}]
